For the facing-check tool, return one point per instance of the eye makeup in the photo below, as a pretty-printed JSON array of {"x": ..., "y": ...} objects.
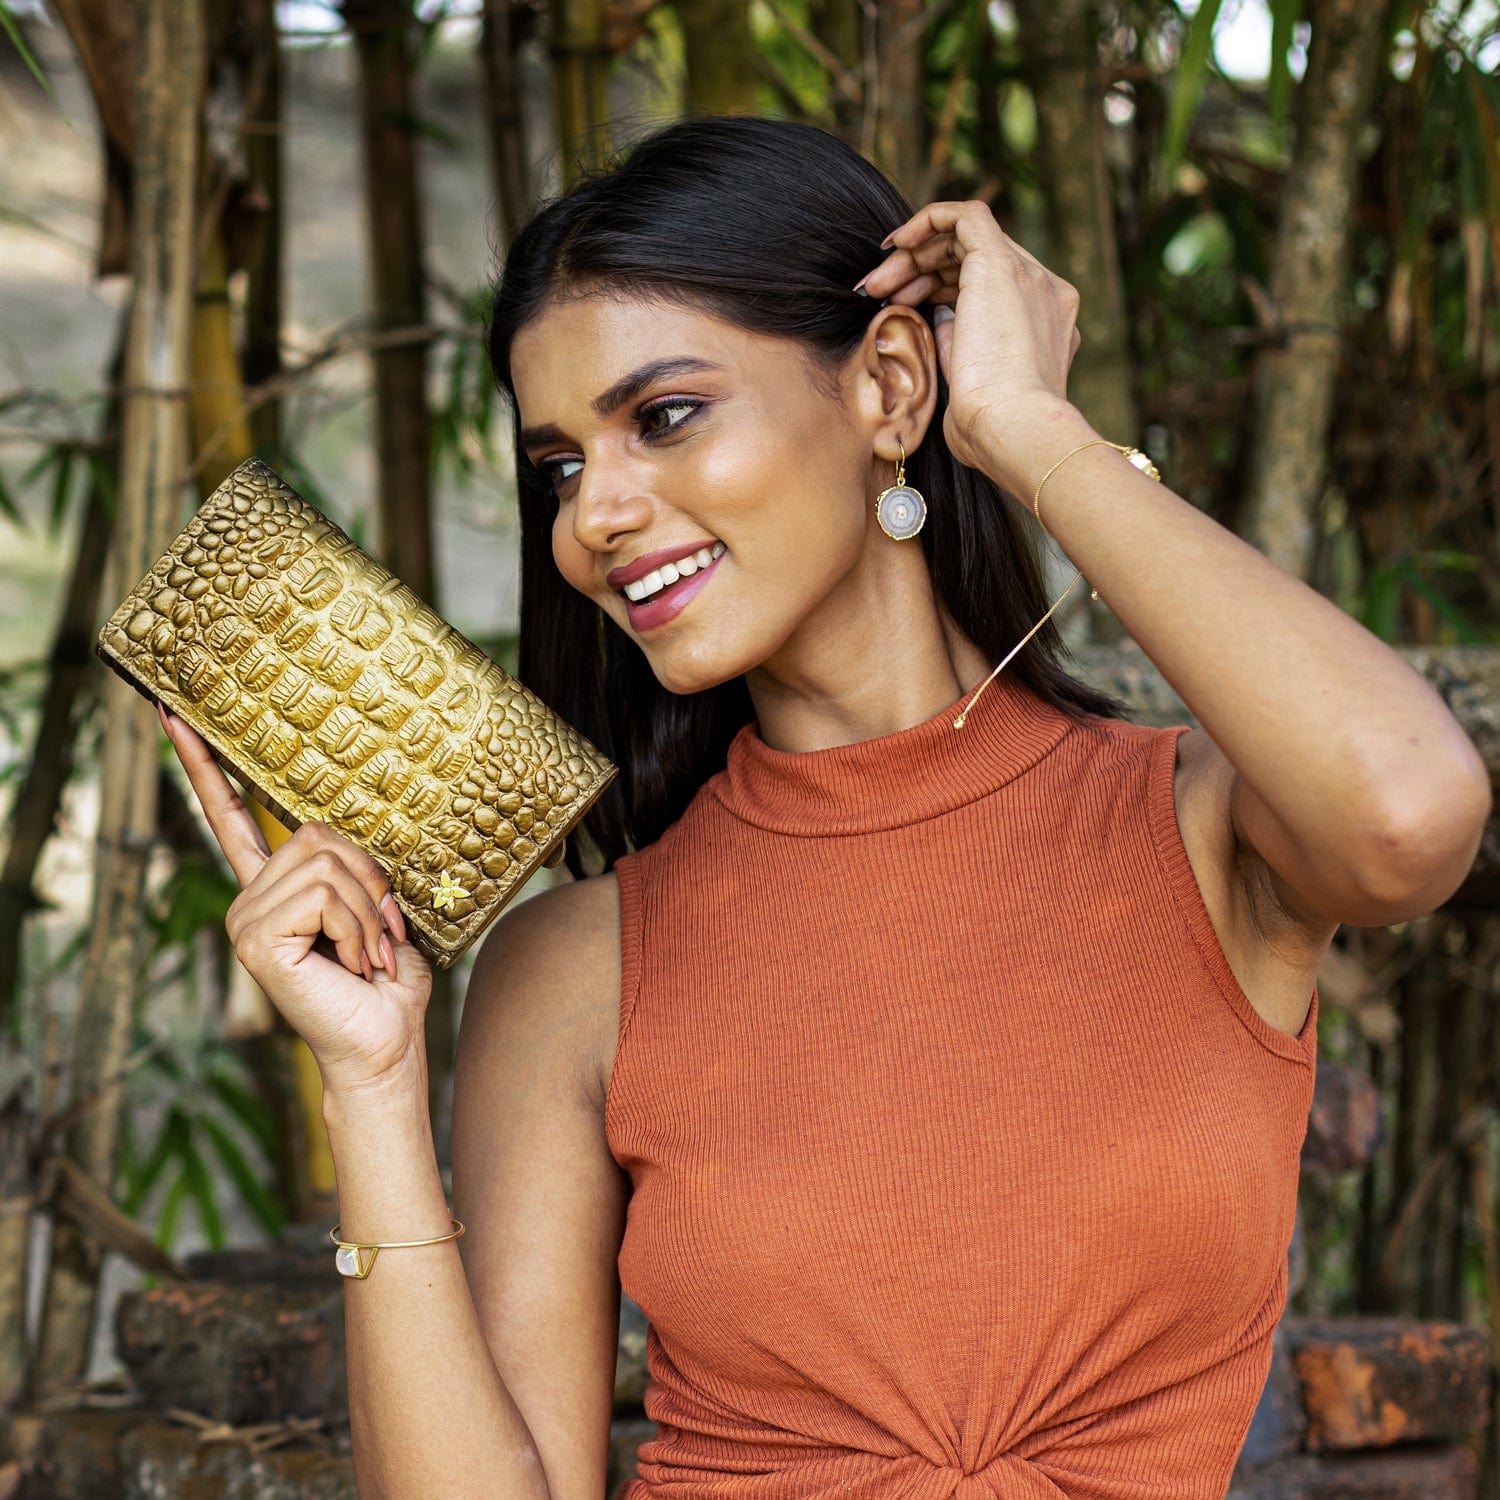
[{"x": 546, "y": 467}]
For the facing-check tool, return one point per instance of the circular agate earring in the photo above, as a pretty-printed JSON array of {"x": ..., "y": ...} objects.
[{"x": 901, "y": 508}]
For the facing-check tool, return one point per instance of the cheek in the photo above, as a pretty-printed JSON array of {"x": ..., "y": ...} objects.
[{"x": 570, "y": 558}]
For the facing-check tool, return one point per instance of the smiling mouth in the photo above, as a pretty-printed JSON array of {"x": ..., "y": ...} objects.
[{"x": 655, "y": 583}]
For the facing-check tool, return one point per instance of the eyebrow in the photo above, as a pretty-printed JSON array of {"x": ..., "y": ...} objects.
[{"x": 608, "y": 402}]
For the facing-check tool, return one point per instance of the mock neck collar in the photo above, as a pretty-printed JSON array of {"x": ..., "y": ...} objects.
[{"x": 891, "y": 779}]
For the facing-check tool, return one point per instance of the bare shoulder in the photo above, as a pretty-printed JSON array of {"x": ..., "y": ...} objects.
[
  {"x": 579, "y": 920},
  {"x": 1274, "y": 955}
]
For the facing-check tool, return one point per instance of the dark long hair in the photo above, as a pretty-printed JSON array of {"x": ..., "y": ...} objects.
[{"x": 767, "y": 224}]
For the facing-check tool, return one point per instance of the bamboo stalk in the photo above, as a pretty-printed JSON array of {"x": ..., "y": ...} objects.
[
  {"x": 720, "y": 57},
  {"x": 153, "y": 452},
  {"x": 502, "y": 118},
  {"x": 580, "y": 62},
  {"x": 1294, "y": 377}
]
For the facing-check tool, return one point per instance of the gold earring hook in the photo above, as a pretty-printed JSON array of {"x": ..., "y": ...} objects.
[{"x": 901, "y": 463}]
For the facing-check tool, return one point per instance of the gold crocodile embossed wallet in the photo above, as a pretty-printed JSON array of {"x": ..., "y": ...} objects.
[{"x": 335, "y": 694}]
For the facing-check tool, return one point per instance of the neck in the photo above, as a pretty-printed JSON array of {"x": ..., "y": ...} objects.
[{"x": 875, "y": 659}]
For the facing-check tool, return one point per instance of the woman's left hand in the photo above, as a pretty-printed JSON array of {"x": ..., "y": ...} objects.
[{"x": 1005, "y": 352}]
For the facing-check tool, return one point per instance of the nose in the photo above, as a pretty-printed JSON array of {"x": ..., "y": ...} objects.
[{"x": 608, "y": 506}]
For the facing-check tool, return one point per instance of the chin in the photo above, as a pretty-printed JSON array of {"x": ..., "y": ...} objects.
[{"x": 687, "y": 678}]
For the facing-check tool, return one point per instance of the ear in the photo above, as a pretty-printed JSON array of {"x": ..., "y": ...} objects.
[{"x": 896, "y": 380}]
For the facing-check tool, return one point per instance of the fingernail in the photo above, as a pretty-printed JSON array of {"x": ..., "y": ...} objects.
[
  {"x": 941, "y": 315},
  {"x": 859, "y": 286},
  {"x": 388, "y": 955},
  {"x": 393, "y": 917},
  {"x": 364, "y": 958},
  {"x": 161, "y": 713},
  {"x": 885, "y": 244}
]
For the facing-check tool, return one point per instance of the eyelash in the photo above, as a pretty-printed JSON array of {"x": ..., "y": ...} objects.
[{"x": 667, "y": 403}]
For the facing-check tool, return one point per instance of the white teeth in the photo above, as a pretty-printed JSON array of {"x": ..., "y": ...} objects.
[{"x": 669, "y": 573}]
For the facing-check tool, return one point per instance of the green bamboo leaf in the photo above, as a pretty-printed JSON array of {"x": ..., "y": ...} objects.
[
  {"x": 246, "y": 1108},
  {"x": 45, "y": 460},
  {"x": 201, "y": 1186},
  {"x": 1187, "y": 89},
  {"x": 1471, "y": 152},
  {"x": 102, "y": 476},
  {"x": 166, "y": 1224},
  {"x": 1381, "y": 600},
  {"x": 1285, "y": 15},
  {"x": 7, "y": 22},
  {"x": 8, "y": 507},
  {"x": 252, "y": 1190},
  {"x": 1463, "y": 627},
  {"x": 62, "y": 484},
  {"x": 146, "y": 1175}
]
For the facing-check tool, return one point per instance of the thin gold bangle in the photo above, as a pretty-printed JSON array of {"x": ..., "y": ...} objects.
[
  {"x": 1135, "y": 456},
  {"x": 356, "y": 1267},
  {"x": 1146, "y": 467}
]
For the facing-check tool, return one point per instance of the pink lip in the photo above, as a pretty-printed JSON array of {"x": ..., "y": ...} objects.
[
  {"x": 669, "y": 604},
  {"x": 617, "y": 578}
]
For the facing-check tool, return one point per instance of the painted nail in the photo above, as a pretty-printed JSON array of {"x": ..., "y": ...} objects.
[
  {"x": 364, "y": 959},
  {"x": 394, "y": 920},
  {"x": 388, "y": 955},
  {"x": 859, "y": 286},
  {"x": 164, "y": 716},
  {"x": 885, "y": 244}
]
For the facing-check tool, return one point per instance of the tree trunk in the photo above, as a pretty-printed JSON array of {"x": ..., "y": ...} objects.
[
  {"x": 70, "y": 664},
  {"x": 1294, "y": 376},
  {"x": 502, "y": 120},
  {"x": 720, "y": 57},
  {"x": 383, "y": 34},
  {"x": 153, "y": 457},
  {"x": 900, "y": 111},
  {"x": 840, "y": 26},
  {"x": 580, "y": 66},
  {"x": 264, "y": 264},
  {"x": 1060, "y": 53}
]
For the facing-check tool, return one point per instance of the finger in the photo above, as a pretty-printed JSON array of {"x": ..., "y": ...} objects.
[
  {"x": 940, "y": 255},
  {"x": 229, "y": 819},
  {"x": 309, "y": 909},
  {"x": 942, "y": 336},
  {"x": 917, "y": 291},
  {"x": 313, "y": 837},
  {"x": 324, "y": 868},
  {"x": 970, "y": 221}
]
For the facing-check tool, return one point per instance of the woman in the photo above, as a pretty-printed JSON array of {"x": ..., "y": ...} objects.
[{"x": 955, "y": 1080}]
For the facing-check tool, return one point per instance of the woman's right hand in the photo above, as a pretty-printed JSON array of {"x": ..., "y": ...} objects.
[{"x": 360, "y": 1012}]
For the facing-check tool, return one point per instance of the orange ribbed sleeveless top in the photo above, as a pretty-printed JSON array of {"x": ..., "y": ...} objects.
[{"x": 961, "y": 1164}]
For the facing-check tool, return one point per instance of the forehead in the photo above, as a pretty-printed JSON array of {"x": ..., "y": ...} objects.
[{"x": 576, "y": 347}]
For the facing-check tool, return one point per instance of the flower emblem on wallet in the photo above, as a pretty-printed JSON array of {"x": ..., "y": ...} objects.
[{"x": 448, "y": 892}]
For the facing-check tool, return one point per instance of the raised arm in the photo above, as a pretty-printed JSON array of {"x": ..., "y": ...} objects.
[{"x": 1351, "y": 788}]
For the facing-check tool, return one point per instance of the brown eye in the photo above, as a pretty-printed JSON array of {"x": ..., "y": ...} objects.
[{"x": 673, "y": 404}]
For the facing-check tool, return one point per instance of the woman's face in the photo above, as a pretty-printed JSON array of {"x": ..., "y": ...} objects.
[{"x": 735, "y": 450}]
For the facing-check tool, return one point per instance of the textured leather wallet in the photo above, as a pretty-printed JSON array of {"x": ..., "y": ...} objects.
[{"x": 334, "y": 693}]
